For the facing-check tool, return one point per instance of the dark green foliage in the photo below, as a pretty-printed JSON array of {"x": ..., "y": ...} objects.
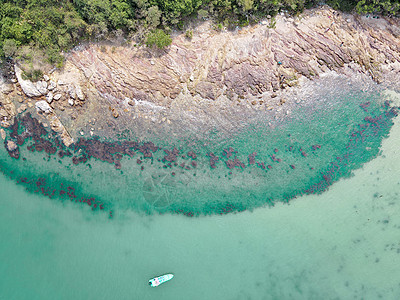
[
  {"x": 48, "y": 25},
  {"x": 343, "y": 5},
  {"x": 385, "y": 7},
  {"x": 55, "y": 25},
  {"x": 114, "y": 14},
  {"x": 153, "y": 16}
]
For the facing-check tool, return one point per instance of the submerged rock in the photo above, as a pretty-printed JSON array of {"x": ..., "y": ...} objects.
[
  {"x": 11, "y": 145},
  {"x": 12, "y": 148}
]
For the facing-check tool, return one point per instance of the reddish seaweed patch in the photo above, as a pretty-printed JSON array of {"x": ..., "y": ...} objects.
[{"x": 213, "y": 160}]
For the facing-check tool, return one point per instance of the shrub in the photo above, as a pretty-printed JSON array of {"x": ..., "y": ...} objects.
[
  {"x": 33, "y": 75},
  {"x": 189, "y": 34},
  {"x": 272, "y": 23},
  {"x": 9, "y": 48},
  {"x": 159, "y": 38}
]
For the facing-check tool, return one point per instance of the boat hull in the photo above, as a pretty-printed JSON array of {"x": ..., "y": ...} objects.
[{"x": 156, "y": 281}]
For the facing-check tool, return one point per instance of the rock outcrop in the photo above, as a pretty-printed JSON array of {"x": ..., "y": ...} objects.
[
  {"x": 12, "y": 148},
  {"x": 59, "y": 128},
  {"x": 249, "y": 62}
]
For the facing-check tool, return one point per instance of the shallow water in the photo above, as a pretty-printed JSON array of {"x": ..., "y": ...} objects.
[
  {"x": 341, "y": 244},
  {"x": 275, "y": 158}
]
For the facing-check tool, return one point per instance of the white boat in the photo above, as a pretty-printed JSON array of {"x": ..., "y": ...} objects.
[{"x": 156, "y": 281}]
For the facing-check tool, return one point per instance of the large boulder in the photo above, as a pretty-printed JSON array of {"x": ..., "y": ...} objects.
[
  {"x": 52, "y": 85},
  {"x": 79, "y": 93},
  {"x": 42, "y": 87},
  {"x": 71, "y": 92},
  {"x": 49, "y": 97},
  {"x": 27, "y": 86},
  {"x": 43, "y": 106}
]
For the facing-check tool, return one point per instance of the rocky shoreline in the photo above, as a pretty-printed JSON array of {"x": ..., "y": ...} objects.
[{"x": 215, "y": 80}]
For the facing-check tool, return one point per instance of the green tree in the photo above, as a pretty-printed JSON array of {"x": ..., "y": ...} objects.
[
  {"x": 120, "y": 14},
  {"x": 153, "y": 16},
  {"x": 246, "y": 4},
  {"x": 378, "y": 6}
]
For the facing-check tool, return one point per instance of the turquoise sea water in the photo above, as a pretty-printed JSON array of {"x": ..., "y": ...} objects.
[{"x": 339, "y": 243}]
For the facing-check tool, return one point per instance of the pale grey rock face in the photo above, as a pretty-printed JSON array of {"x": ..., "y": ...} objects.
[
  {"x": 45, "y": 77},
  {"x": 49, "y": 97},
  {"x": 71, "y": 102},
  {"x": 52, "y": 85},
  {"x": 42, "y": 87},
  {"x": 43, "y": 106},
  {"x": 27, "y": 86},
  {"x": 60, "y": 82},
  {"x": 57, "y": 97}
]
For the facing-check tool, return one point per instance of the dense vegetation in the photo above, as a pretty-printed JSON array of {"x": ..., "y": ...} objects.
[{"x": 41, "y": 29}]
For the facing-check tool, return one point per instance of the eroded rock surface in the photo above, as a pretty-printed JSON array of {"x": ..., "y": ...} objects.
[{"x": 249, "y": 62}]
